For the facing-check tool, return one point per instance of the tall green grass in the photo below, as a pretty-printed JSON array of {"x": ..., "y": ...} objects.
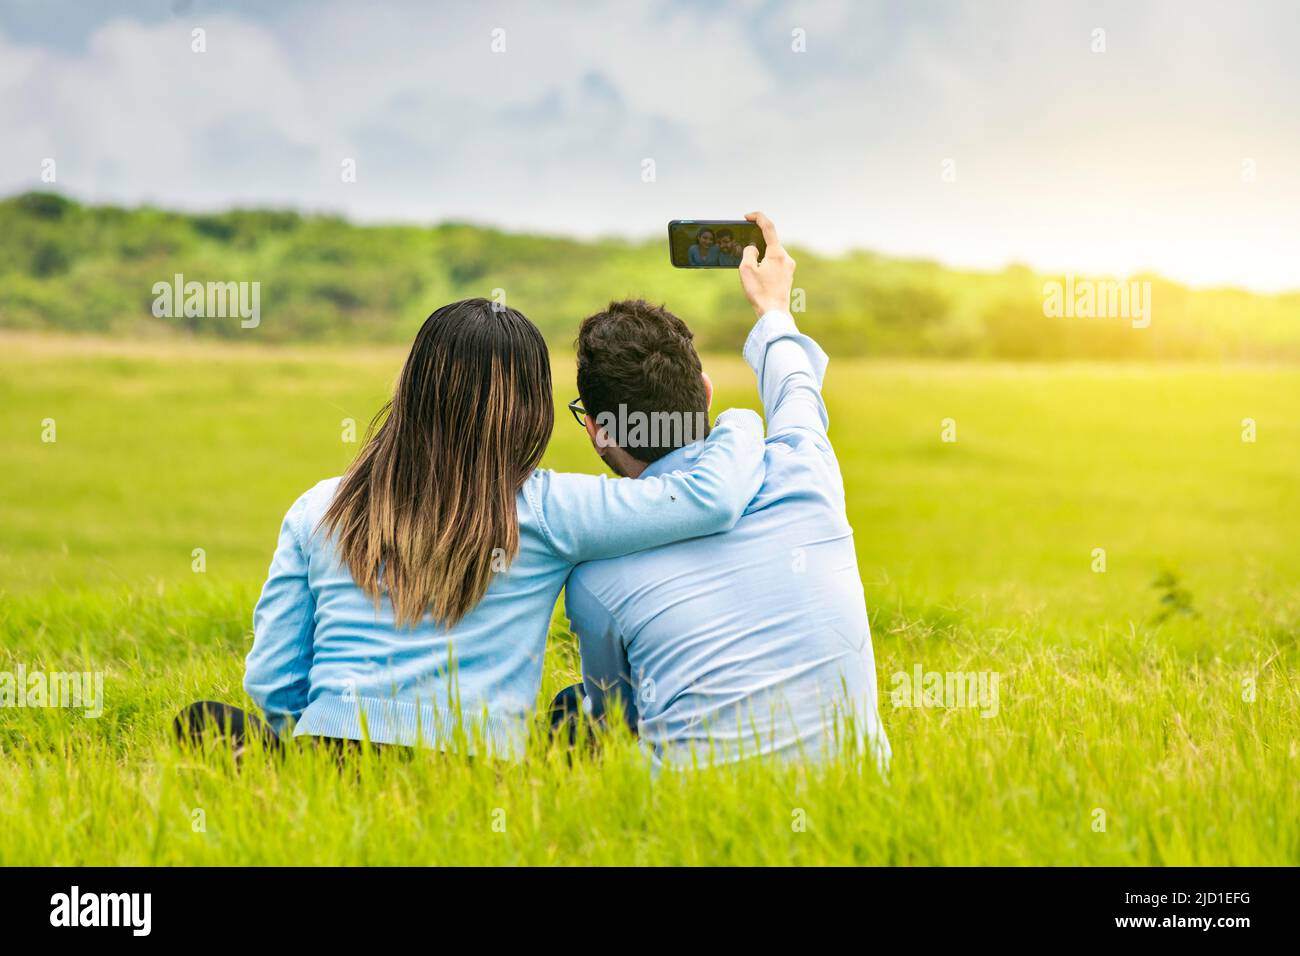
[{"x": 1158, "y": 697}]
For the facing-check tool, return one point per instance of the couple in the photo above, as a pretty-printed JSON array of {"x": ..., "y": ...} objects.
[
  {"x": 713, "y": 588},
  {"x": 703, "y": 252}
]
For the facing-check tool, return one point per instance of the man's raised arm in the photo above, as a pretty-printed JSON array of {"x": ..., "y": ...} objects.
[{"x": 789, "y": 365}]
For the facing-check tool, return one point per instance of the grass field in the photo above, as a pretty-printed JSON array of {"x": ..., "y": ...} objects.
[{"x": 1167, "y": 713}]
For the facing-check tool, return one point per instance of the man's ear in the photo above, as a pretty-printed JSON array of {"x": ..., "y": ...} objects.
[
  {"x": 708, "y": 389},
  {"x": 595, "y": 433}
]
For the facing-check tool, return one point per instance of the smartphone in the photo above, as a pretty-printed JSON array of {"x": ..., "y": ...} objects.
[{"x": 712, "y": 243}]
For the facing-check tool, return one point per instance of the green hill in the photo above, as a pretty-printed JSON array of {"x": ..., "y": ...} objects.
[{"x": 77, "y": 268}]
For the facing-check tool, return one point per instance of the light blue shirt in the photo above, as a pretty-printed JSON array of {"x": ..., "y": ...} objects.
[
  {"x": 324, "y": 656},
  {"x": 697, "y": 258},
  {"x": 755, "y": 640}
]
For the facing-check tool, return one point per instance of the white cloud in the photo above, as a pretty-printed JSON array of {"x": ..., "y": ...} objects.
[{"x": 1064, "y": 158}]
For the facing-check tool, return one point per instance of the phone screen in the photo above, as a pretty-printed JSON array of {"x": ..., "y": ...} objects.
[{"x": 712, "y": 243}]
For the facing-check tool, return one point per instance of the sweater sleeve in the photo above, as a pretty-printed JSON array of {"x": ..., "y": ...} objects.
[
  {"x": 586, "y": 517},
  {"x": 276, "y": 671}
]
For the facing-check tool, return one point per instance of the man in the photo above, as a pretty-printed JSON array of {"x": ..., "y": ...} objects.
[
  {"x": 755, "y": 640},
  {"x": 728, "y": 249}
]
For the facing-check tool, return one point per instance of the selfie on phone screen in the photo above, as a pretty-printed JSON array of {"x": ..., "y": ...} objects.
[{"x": 712, "y": 244}]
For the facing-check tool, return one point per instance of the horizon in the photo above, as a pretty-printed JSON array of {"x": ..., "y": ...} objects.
[
  {"x": 651, "y": 239},
  {"x": 1114, "y": 140}
]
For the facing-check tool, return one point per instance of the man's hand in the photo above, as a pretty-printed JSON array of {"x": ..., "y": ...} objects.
[{"x": 767, "y": 283}]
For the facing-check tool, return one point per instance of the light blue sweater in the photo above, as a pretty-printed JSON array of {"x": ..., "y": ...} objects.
[{"x": 327, "y": 662}]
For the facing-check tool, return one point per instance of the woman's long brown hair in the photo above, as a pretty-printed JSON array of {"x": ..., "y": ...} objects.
[{"x": 426, "y": 512}]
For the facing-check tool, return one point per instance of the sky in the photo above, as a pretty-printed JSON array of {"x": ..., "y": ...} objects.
[{"x": 977, "y": 134}]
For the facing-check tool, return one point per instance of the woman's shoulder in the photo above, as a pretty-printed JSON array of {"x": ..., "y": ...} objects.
[
  {"x": 310, "y": 506},
  {"x": 532, "y": 492},
  {"x": 546, "y": 493},
  {"x": 545, "y": 482},
  {"x": 321, "y": 494}
]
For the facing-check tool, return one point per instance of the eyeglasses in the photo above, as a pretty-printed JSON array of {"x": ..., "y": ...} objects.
[{"x": 579, "y": 413}]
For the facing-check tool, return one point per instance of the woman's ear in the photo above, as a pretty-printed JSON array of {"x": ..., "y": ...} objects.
[{"x": 708, "y": 389}]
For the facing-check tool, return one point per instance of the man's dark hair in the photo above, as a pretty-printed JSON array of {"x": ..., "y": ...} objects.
[
  {"x": 642, "y": 356},
  {"x": 724, "y": 232}
]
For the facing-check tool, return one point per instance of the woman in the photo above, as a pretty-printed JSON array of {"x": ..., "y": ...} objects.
[
  {"x": 409, "y": 600},
  {"x": 703, "y": 252}
]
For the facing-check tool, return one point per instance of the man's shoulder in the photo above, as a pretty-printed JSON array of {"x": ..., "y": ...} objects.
[
  {"x": 599, "y": 576},
  {"x": 594, "y": 588},
  {"x": 611, "y": 580},
  {"x": 799, "y": 451}
]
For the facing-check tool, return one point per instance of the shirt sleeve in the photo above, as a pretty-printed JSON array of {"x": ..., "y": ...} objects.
[
  {"x": 606, "y": 674},
  {"x": 790, "y": 367},
  {"x": 276, "y": 671},
  {"x": 589, "y": 517}
]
